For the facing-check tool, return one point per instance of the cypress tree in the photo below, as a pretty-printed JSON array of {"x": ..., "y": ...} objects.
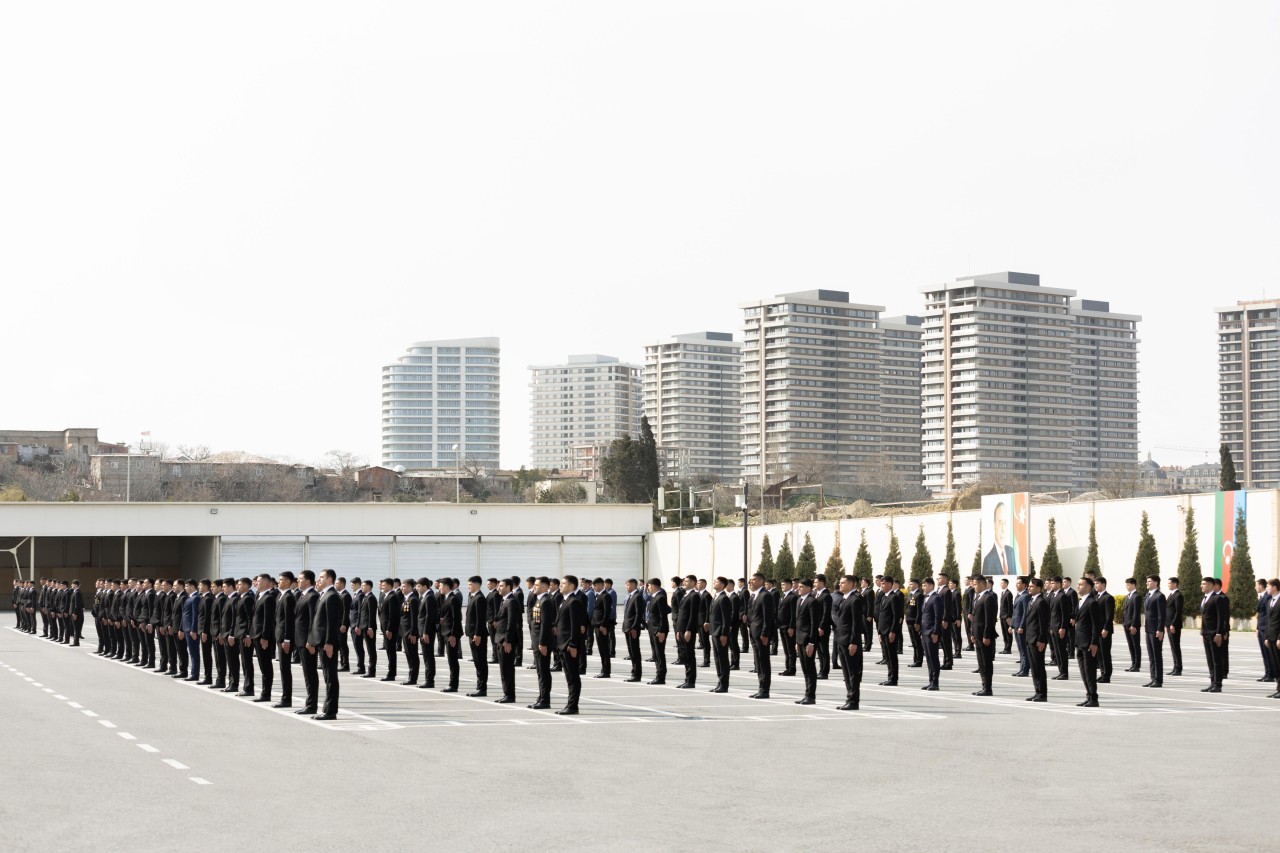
[
  {"x": 1240, "y": 588},
  {"x": 766, "y": 566},
  {"x": 1147, "y": 561},
  {"x": 807, "y": 565},
  {"x": 977, "y": 562},
  {"x": 1051, "y": 565},
  {"x": 949, "y": 564},
  {"x": 1189, "y": 571},
  {"x": 1091, "y": 560},
  {"x": 786, "y": 563},
  {"x": 922, "y": 561},
  {"x": 893, "y": 563},
  {"x": 1227, "y": 479},
  {"x": 862, "y": 567},
  {"x": 835, "y": 565}
]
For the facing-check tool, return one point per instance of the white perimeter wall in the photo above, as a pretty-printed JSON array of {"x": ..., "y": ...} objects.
[{"x": 711, "y": 552}]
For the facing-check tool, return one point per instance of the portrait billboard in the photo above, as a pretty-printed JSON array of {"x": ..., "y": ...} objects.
[{"x": 1005, "y": 546}]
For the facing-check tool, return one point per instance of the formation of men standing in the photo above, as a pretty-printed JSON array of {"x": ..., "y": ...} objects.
[{"x": 227, "y": 630}]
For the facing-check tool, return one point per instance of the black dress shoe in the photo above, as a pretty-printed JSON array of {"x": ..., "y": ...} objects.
[
  {"x": 977, "y": 672},
  {"x": 761, "y": 696},
  {"x": 409, "y": 683},
  {"x": 1021, "y": 674},
  {"x": 685, "y": 686},
  {"x": 1060, "y": 678},
  {"x": 1148, "y": 684},
  {"x": 658, "y": 681},
  {"x": 369, "y": 675},
  {"x": 344, "y": 669},
  {"x": 650, "y": 660},
  {"x": 387, "y": 678},
  {"x": 539, "y": 706},
  {"x": 880, "y": 662},
  {"x": 449, "y": 690},
  {"x": 1176, "y": 672},
  {"x": 262, "y": 699},
  {"x": 718, "y": 690},
  {"x": 1275, "y": 695},
  {"x": 982, "y": 693},
  {"x": 360, "y": 670},
  {"x": 603, "y": 675},
  {"x": 283, "y": 705},
  {"x": 1104, "y": 680},
  {"x": 1267, "y": 678},
  {"x": 930, "y": 687},
  {"x": 325, "y": 717},
  {"x": 478, "y": 694},
  {"x": 1040, "y": 698},
  {"x": 805, "y": 701},
  {"x": 1217, "y": 688},
  {"x": 848, "y": 706},
  {"x": 1156, "y": 684},
  {"x": 1089, "y": 704},
  {"x": 205, "y": 683},
  {"x": 568, "y": 712},
  {"x": 631, "y": 680},
  {"x": 302, "y": 711},
  {"x": 245, "y": 693},
  {"x": 788, "y": 672},
  {"x": 505, "y": 700},
  {"x": 231, "y": 690},
  {"x": 944, "y": 668},
  {"x": 914, "y": 665},
  {"x": 822, "y": 677}
]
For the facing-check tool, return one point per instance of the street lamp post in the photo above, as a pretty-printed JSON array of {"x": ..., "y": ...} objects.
[
  {"x": 457, "y": 475},
  {"x": 128, "y": 471}
]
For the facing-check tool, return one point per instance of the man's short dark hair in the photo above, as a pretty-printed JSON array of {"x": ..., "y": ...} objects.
[
  {"x": 572, "y": 580},
  {"x": 309, "y": 575},
  {"x": 474, "y": 579},
  {"x": 1155, "y": 578},
  {"x": 288, "y": 575}
]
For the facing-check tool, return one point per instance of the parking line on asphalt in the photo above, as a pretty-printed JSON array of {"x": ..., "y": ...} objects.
[{"x": 175, "y": 764}]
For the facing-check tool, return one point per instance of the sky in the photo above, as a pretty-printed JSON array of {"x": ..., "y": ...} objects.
[{"x": 218, "y": 222}]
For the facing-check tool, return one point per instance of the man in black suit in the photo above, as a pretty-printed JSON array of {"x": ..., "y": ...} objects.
[
  {"x": 1271, "y": 628},
  {"x": 1157, "y": 616},
  {"x": 741, "y": 644},
  {"x": 1036, "y": 633},
  {"x": 889, "y": 614},
  {"x": 932, "y": 634},
  {"x": 367, "y": 628},
  {"x": 913, "y": 618},
  {"x": 243, "y": 630},
  {"x": 822, "y": 597},
  {"x": 677, "y": 596},
  {"x": 75, "y": 612},
  {"x": 451, "y": 630},
  {"x": 427, "y": 628},
  {"x": 492, "y": 603},
  {"x": 786, "y": 616},
  {"x": 476, "y": 631},
  {"x": 305, "y": 609},
  {"x": 847, "y": 621},
  {"x": 204, "y": 616},
  {"x": 1060, "y": 616},
  {"x": 985, "y": 617},
  {"x": 688, "y": 625},
  {"x": 1213, "y": 628},
  {"x": 389, "y": 613},
  {"x": 408, "y": 633},
  {"x": 1108, "y": 606},
  {"x": 1223, "y": 602},
  {"x": 659, "y": 623},
  {"x": 966, "y": 602},
  {"x": 324, "y": 639},
  {"x": 633, "y": 626},
  {"x": 284, "y": 637},
  {"x": 1006, "y": 616},
  {"x": 1176, "y": 608},
  {"x": 704, "y": 621},
  {"x": 355, "y": 637},
  {"x": 1087, "y": 630},
  {"x": 719, "y": 627},
  {"x": 604, "y": 618},
  {"x": 530, "y": 596},
  {"x": 543, "y": 610},
  {"x": 762, "y": 627},
  {"x": 1133, "y": 624},
  {"x": 507, "y": 630},
  {"x": 950, "y": 620},
  {"x": 808, "y": 617},
  {"x": 230, "y": 614},
  {"x": 262, "y": 634},
  {"x": 344, "y": 630},
  {"x": 571, "y": 632}
]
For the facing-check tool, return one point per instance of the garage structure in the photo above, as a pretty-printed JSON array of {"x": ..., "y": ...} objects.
[{"x": 372, "y": 540}]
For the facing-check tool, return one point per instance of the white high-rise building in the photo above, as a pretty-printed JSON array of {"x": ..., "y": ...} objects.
[
  {"x": 1026, "y": 383},
  {"x": 811, "y": 386},
  {"x": 588, "y": 401},
  {"x": 1249, "y": 390},
  {"x": 438, "y": 396},
  {"x": 693, "y": 400}
]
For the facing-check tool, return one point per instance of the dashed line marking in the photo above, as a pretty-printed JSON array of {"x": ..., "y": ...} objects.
[
  {"x": 48, "y": 690},
  {"x": 36, "y": 684},
  {"x": 200, "y": 781},
  {"x": 88, "y": 713},
  {"x": 75, "y": 705},
  {"x": 107, "y": 724},
  {"x": 175, "y": 764},
  {"x": 126, "y": 736},
  {"x": 28, "y": 678},
  {"x": 146, "y": 747},
  {"x": 60, "y": 696}
]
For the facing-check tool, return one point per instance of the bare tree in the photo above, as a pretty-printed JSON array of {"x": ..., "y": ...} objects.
[
  {"x": 1120, "y": 480},
  {"x": 194, "y": 452}
]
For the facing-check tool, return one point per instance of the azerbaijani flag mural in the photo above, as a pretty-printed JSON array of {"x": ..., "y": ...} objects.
[{"x": 1228, "y": 504}]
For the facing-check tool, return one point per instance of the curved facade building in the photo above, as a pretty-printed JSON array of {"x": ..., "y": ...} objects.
[{"x": 436, "y": 395}]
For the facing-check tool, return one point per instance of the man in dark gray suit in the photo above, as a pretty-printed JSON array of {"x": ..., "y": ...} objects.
[
  {"x": 1133, "y": 624},
  {"x": 1088, "y": 626},
  {"x": 1108, "y": 604},
  {"x": 1157, "y": 618}
]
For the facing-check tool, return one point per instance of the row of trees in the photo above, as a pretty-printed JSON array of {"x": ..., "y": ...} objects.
[{"x": 1240, "y": 588}]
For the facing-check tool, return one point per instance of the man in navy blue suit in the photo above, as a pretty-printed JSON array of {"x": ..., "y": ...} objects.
[
  {"x": 191, "y": 627},
  {"x": 1018, "y": 624},
  {"x": 932, "y": 633},
  {"x": 1264, "y": 605}
]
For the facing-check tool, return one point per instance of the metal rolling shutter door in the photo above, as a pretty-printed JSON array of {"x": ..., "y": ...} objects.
[
  {"x": 613, "y": 559},
  {"x": 364, "y": 557},
  {"x": 436, "y": 558},
  {"x": 251, "y": 556},
  {"x": 501, "y": 558}
]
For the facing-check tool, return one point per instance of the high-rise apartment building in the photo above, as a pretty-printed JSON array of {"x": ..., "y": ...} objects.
[
  {"x": 1249, "y": 390},
  {"x": 693, "y": 400},
  {"x": 900, "y": 355},
  {"x": 811, "y": 386},
  {"x": 1026, "y": 383},
  {"x": 440, "y": 405},
  {"x": 590, "y": 400}
]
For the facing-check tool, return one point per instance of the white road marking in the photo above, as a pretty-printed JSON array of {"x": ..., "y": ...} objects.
[
  {"x": 36, "y": 684},
  {"x": 146, "y": 747},
  {"x": 75, "y": 705},
  {"x": 175, "y": 764},
  {"x": 199, "y": 781},
  {"x": 88, "y": 713},
  {"x": 126, "y": 736},
  {"x": 29, "y": 678},
  {"x": 60, "y": 696},
  {"x": 48, "y": 690},
  {"x": 107, "y": 724}
]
